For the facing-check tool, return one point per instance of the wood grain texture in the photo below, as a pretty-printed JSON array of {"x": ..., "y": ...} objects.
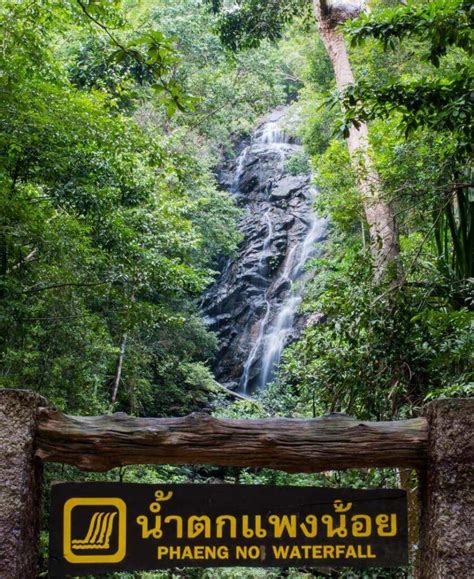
[{"x": 332, "y": 442}]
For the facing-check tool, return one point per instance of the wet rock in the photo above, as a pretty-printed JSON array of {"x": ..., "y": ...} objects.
[
  {"x": 251, "y": 291},
  {"x": 288, "y": 186}
]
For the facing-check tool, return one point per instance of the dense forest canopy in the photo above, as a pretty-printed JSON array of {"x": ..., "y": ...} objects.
[{"x": 115, "y": 117}]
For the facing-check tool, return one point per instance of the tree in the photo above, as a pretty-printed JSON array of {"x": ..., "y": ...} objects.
[
  {"x": 379, "y": 212},
  {"x": 438, "y": 104}
]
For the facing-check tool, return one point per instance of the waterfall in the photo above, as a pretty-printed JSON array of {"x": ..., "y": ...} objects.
[
  {"x": 271, "y": 134},
  {"x": 238, "y": 171},
  {"x": 277, "y": 335},
  {"x": 266, "y": 242},
  {"x": 253, "y": 305},
  {"x": 255, "y": 349}
]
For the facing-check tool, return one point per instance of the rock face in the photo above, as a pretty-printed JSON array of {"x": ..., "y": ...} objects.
[{"x": 253, "y": 304}]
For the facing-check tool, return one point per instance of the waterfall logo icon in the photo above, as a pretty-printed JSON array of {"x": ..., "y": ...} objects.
[
  {"x": 94, "y": 530},
  {"x": 98, "y": 535}
]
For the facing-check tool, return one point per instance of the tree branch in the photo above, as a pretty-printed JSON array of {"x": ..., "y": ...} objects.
[{"x": 61, "y": 285}]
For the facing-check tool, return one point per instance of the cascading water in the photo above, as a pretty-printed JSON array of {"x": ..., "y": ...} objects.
[
  {"x": 267, "y": 241},
  {"x": 272, "y": 134},
  {"x": 238, "y": 171},
  {"x": 253, "y": 306},
  {"x": 277, "y": 335},
  {"x": 255, "y": 348}
]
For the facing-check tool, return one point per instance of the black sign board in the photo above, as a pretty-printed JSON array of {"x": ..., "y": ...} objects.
[{"x": 105, "y": 527}]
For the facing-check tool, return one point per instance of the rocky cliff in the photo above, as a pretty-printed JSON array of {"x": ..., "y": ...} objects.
[{"x": 253, "y": 305}]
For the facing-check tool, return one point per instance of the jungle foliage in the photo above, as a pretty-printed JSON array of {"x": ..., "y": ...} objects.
[
  {"x": 111, "y": 221},
  {"x": 382, "y": 351}
]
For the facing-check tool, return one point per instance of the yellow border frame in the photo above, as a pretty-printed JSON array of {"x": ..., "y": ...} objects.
[{"x": 116, "y": 557}]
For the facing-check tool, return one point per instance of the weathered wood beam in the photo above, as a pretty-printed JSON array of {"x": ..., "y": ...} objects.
[{"x": 332, "y": 442}]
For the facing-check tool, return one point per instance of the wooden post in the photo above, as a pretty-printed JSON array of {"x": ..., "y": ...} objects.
[
  {"x": 447, "y": 491},
  {"x": 20, "y": 484}
]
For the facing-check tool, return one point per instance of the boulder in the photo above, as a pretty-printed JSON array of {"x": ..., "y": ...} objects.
[{"x": 288, "y": 186}]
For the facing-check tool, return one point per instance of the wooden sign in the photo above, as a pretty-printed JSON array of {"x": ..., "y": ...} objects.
[{"x": 105, "y": 527}]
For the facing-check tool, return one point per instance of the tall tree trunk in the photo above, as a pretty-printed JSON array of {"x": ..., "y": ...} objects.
[
  {"x": 118, "y": 369},
  {"x": 378, "y": 211}
]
